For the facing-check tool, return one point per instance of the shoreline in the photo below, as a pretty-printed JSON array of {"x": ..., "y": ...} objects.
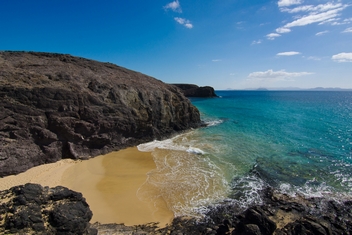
[
  {"x": 117, "y": 207},
  {"x": 110, "y": 184}
]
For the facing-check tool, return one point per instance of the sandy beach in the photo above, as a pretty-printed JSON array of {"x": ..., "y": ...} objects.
[{"x": 110, "y": 184}]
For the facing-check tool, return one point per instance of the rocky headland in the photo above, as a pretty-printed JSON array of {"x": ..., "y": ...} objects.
[
  {"x": 55, "y": 106},
  {"x": 191, "y": 90}
]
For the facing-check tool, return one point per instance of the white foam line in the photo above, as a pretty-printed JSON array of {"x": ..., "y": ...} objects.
[{"x": 169, "y": 144}]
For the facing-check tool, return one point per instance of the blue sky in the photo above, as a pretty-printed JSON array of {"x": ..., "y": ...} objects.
[{"x": 234, "y": 44}]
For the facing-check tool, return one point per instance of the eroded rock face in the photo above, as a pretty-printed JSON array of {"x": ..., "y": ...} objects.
[
  {"x": 32, "y": 209},
  {"x": 55, "y": 106}
]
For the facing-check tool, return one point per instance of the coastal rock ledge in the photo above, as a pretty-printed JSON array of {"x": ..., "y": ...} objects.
[{"x": 55, "y": 106}]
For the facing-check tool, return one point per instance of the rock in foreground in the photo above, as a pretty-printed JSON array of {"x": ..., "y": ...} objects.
[
  {"x": 32, "y": 209},
  {"x": 55, "y": 106}
]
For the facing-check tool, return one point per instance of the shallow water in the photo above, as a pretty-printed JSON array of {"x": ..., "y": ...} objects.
[{"x": 295, "y": 141}]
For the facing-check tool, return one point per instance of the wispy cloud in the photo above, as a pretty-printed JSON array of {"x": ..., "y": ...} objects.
[
  {"x": 283, "y": 30},
  {"x": 184, "y": 22},
  {"x": 342, "y": 57},
  {"x": 321, "y": 33},
  {"x": 216, "y": 60},
  {"x": 255, "y": 42},
  {"x": 285, "y": 3},
  {"x": 315, "y": 17},
  {"x": 348, "y": 30},
  {"x": 174, "y": 6},
  {"x": 327, "y": 13},
  {"x": 288, "y": 53},
  {"x": 347, "y": 21},
  {"x": 272, "y": 36},
  {"x": 312, "y": 58},
  {"x": 311, "y": 8},
  {"x": 280, "y": 75}
]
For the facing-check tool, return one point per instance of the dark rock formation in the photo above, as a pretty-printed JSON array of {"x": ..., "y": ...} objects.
[
  {"x": 55, "y": 106},
  {"x": 32, "y": 209},
  {"x": 190, "y": 90}
]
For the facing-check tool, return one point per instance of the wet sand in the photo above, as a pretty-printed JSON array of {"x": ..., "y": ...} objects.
[{"x": 110, "y": 184}]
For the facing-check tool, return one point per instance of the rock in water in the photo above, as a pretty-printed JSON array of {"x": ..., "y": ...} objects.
[
  {"x": 32, "y": 209},
  {"x": 55, "y": 106}
]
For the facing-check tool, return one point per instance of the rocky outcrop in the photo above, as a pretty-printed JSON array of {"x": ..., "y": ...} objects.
[
  {"x": 279, "y": 214},
  {"x": 190, "y": 90},
  {"x": 32, "y": 209},
  {"x": 55, "y": 106}
]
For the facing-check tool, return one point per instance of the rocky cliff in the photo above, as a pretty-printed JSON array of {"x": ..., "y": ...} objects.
[
  {"x": 191, "y": 90},
  {"x": 55, "y": 106}
]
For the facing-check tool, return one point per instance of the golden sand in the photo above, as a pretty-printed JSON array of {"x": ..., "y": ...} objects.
[{"x": 109, "y": 183}]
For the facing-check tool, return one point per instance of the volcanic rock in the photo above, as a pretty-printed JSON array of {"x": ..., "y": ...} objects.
[
  {"x": 32, "y": 209},
  {"x": 191, "y": 90},
  {"x": 55, "y": 106}
]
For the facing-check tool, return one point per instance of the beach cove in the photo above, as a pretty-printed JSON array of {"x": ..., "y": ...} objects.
[{"x": 110, "y": 184}]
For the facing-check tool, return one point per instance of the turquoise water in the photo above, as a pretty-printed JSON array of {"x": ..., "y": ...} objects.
[{"x": 299, "y": 142}]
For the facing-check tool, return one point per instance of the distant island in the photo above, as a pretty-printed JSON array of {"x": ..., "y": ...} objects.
[{"x": 295, "y": 89}]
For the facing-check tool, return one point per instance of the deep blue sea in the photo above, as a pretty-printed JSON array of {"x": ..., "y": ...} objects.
[{"x": 299, "y": 142}]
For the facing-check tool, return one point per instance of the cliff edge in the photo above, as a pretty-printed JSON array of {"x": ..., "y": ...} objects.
[{"x": 55, "y": 106}]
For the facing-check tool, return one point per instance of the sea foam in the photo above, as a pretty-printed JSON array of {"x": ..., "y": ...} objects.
[
  {"x": 185, "y": 179},
  {"x": 176, "y": 143}
]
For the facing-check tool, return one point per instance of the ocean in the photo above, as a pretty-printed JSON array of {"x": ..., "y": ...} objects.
[{"x": 298, "y": 142}]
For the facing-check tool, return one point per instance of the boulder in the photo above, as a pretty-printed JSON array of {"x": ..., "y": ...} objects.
[
  {"x": 55, "y": 106},
  {"x": 33, "y": 209}
]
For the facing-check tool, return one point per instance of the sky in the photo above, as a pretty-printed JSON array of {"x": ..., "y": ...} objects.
[{"x": 227, "y": 44}]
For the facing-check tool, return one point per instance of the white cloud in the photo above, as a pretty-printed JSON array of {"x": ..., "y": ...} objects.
[
  {"x": 314, "y": 18},
  {"x": 283, "y": 30},
  {"x": 347, "y": 21},
  {"x": 312, "y": 58},
  {"x": 327, "y": 13},
  {"x": 316, "y": 9},
  {"x": 216, "y": 60},
  {"x": 175, "y": 6},
  {"x": 272, "y": 36},
  {"x": 184, "y": 22},
  {"x": 285, "y": 3},
  {"x": 321, "y": 33},
  {"x": 288, "y": 53},
  {"x": 271, "y": 75},
  {"x": 348, "y": 30},
  {"x": 342, "y": 57},
  {"x": 256, "y": 42}
]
